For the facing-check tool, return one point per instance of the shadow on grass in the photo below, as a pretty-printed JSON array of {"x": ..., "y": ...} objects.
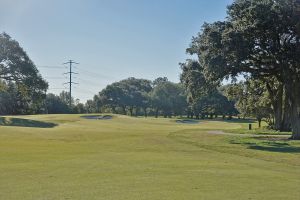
[
  {"x": 233, "y": 120},
  {"x": 272, "y": 145},
  {"x": 4, "y": 121},
  {"x": 283, "y": 148}
]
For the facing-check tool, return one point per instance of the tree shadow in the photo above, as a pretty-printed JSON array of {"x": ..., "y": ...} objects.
[
  {"x": 282, "y": 148},
  {"x": 5, "y": 121},
  {"x": 276, "y": 144},
  {"x": 219, "y": 119},
  {"x": 234, "y": 120}
]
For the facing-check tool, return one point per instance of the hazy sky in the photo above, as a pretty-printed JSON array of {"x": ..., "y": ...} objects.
[{"x": 111, "y": 39}]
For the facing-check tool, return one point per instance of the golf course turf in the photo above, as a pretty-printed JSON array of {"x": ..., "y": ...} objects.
[{"x": 49, "y": 157}]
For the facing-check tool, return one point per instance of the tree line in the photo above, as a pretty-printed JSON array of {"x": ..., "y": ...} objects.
[{"x": 160, "y": 97}]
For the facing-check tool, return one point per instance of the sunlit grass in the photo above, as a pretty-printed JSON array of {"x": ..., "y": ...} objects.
[{"x": 139, "y": 158}]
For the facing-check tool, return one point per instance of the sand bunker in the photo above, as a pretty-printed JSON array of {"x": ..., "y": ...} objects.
[
  {"x": 97, "y": 117},
  {"x": 187, "y": 121}
]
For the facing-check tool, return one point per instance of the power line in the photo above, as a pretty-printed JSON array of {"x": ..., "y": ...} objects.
[
  {"x": 94, "y": 74},
  {"x": 52, "y": 77},
  {"x": 51, "y": 67},
  {"x": 57, "y": 88},
  {"x": 70, "y": 72},
  {"x": 86, "y": 92},
  {"x": 91, "y": 83}
]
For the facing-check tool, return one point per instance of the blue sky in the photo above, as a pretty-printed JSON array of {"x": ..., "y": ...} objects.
[{"x": 111, "y": 39}]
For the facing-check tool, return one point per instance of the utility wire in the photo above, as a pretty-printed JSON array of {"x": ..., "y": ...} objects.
[
  {"x": 57, "y": 88},
  {"x": 51, "y": 67},
  {"x": 91, "y": 83},
  {"x": 86, "y": 92},
  {"x": 52, "y": 77},
  {"x": 94, "y": 74}
]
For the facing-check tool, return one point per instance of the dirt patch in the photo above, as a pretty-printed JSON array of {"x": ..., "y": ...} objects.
[{"x": 97, "y": 117}]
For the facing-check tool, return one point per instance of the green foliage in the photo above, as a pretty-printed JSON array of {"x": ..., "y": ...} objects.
[
  {"x": 168, "y": 98},
  {"x": 57, "y": 104},
  {"x": 203, "y": 96},
  {"x": 260, "y": 39},
  {"x": 127, "y": 94},
  {"x": 22, "y": 87},
  {"x": 252, "y": 99}
]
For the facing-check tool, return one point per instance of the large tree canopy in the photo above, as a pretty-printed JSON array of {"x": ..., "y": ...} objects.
[
  {"x": 15, "y": 65},
  {"x": 168, "y": 98},
  {"x": 261, "y": 39},
  {"x": 19, "y": 72},
  {"x": 127, "y": 94},
  {"x": 203, "y": 95}
]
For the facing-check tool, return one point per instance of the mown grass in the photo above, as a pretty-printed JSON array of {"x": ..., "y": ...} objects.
[
  {"x": 138, "y": 158},
  {"x": 263, "y": 130}
]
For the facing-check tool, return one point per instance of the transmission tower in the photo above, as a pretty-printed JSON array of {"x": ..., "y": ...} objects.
[{"x": 70, "y": 82}]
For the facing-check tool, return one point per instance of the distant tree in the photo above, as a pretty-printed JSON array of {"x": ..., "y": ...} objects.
[
  {"x": 7, "y": 101},
  {"x": 90, "y": 106},
  {"x": 159, "y": 80},
  {"x": 252, "y": 99},
  {"x": 168, "y": 98},
  {"x": 65, "y": 98},
  {"x": 79, "y": 108},
  {"x": 127, "y": 94},
  {"x": 203, "y": 96},
  {"x": 56, "y": 105}
]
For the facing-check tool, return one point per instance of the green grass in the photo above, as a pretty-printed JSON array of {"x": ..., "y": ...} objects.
[{"x": 67, "y": 157}]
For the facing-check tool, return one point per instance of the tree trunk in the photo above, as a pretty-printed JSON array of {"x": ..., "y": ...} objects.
[
  {"x": 276, "y": 96},
  {"x": 286, "y": 120},
  {"x": 295, "y": 119},
  {"x": 165, "y": 115},
  {"x": 156, "y": 113},
  {"x": 131, "y": 111},
  {"x": 145, "y": 112},
  {"x": 293, "y": 94},
  {"x": 278, "y": 118},
  {"x": 124, "y": 110},
  {"x": 259, "y": 123},
  {"x": 113, "y": 110}
]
